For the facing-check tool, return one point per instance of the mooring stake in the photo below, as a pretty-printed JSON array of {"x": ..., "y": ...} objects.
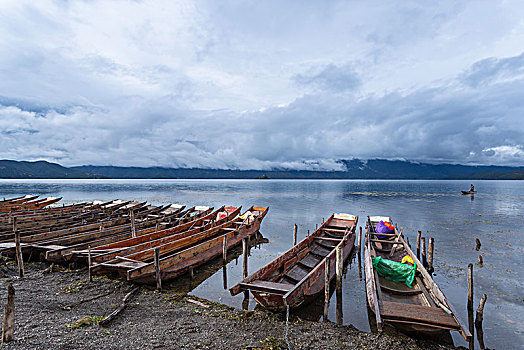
[
  {"x": 419, "y": 234},
  {"x": 470, "y": 307},
  {"x": 326, "y": 289},
  {"x": 18, "y": 248},
  {"x": 157, "y": 270},
  {"x": 478, "y": 321},
  {"x": 8, "y": 326}
]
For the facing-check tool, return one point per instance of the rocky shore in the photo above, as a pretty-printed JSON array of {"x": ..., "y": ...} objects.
[{"x": 60, "y": 309}]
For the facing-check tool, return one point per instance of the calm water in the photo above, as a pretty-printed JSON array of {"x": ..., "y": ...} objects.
[{"x": 494, "y": 215}]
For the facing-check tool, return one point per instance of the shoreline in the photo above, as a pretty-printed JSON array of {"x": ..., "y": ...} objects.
[{"x": 160, "y": 320}]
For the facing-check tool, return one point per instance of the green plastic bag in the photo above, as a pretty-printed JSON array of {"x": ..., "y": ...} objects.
[{"x": 395, "y": 271}]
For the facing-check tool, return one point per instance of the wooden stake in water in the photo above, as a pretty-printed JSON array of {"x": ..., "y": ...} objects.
[
  {"x": 419, "y": 234},
  {"x": 470, "y": 307},
  {"x": 326, "y": 288},
  {"x": 338, "y": 270},
  {"x": 244, "y": 264},
  {"x": 423, "y": 252},
  {"x": 477, "y": 241},
  {"x": 478, "y": 321},
  {"x": 133, "y": 228},
  {"x": 295, "y": 232},
  {"x": 224, "y": 250},
  {"x": 430, "y": 254},
  {"x": 339, "y": 266}
]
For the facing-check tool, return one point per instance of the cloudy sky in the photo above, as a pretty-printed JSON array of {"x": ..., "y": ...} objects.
[{"x": 260, "y": 84}]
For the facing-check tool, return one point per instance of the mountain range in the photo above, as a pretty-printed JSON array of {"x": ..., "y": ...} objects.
[{"x": 353, "y": 169}]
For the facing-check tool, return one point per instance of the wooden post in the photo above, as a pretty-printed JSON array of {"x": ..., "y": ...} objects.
[
  {"x": 295, "y": 232},
  {"x": 224, "y": 250},
  {"x": 19, "y": 257},
  {"x": 470, "y": 307},
  {"x": 316, "y": 227},
  {"x": 8, "y": 326},
  {"x": 322, "y": 219},
  {"x": 423, "y": 252},
  {"x": 89, "y": 263},
  {"x": 244, "y": 258},
  {"x": 224, "y": 276},
  {"x": 308, "y": 233},
  {"x": 430, "y": 255},
  {"x": 338, "y": 267},
  {"x": 481, "y": 261},
  {"x": 326, "y": 289},
  {"x": 244, "y": 264},
  {"x": 477, "y": 241},
  {"x": 133, "y": 228},
  {"x": 419, "y": 234},
  {"x": 478, "y": 321},
  {"x": 157, "y": 270}
]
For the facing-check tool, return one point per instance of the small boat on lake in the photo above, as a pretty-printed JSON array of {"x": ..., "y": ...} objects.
[
  {"x": 419, "y": 307},
  {"x": 468, "y": 192},
  {"x": 298, "y": 274}
]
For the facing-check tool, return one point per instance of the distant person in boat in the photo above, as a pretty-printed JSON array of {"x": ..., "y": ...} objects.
[{"x": 472, "y": 188}]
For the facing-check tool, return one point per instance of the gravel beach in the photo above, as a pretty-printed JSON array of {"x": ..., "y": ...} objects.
[{"x": 60, "y": 309}]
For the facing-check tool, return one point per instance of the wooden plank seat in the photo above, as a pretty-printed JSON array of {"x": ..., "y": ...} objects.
[
  {"x": 269, "y": 287},
  {"x": 329, "y": 239},
  {"x": 427, "y": 314}
]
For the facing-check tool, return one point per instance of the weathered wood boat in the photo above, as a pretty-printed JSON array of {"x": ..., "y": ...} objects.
[
  {"x": 176, "y": 264},
  {"x": 468, "y": 192},
  {"x": 298, "y": 274},
  {"x": 423, "y": 309},
  {"x": 16, "y": 200},
  {"x": 125, "y": 248},
  {"x": 30, "y": 205}
]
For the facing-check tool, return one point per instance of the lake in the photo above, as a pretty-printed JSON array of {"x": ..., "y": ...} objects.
[{"x": 495, "y": 215}]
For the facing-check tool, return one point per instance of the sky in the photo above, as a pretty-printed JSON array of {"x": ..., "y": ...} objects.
[{"x": 261, "y": 84}]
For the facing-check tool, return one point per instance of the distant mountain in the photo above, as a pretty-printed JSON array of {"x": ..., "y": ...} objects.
[
  {"x": 353, "y": 169},
  {"x": 11, "y": 169}
]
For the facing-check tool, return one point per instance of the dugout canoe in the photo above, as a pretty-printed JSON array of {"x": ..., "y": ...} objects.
[
  {"x": 422, "y": 310},
  {"x": 297, "y": 276},
  {"x": 468, "y": 192},
  {"x": 31, "y": 205},
  {"x": 125, "y": 248},
  {"x": 176, "y": 264}
]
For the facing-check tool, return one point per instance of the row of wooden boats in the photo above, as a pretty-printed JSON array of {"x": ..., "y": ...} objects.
[
  {"x": 298, "y": 276},
  {"x": 121, "y": 236},
  {"x": 24, "y": 203}
]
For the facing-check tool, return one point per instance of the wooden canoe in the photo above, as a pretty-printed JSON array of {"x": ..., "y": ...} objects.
[
  {"x": 31, "y": 205},
  {"x": 126, "y": 248},
  {"x": 176, "y": 264},
  {"x": 422, "y": 310},
  {"x": 16, "y": 200},
  {"x": 297, "y": 276},
  {"x": 468, "y": 192}
]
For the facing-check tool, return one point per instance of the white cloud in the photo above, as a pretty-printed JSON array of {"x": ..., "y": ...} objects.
[{"x": 260, "y": 84}]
